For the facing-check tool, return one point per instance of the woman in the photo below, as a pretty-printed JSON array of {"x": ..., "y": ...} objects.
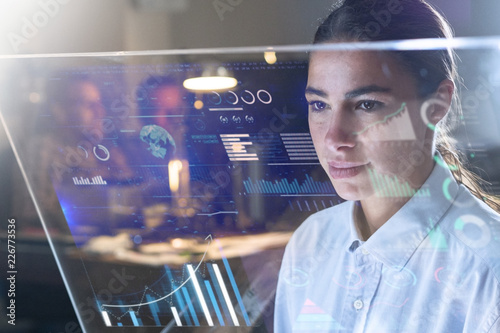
[{"x": 411, "y": 250}]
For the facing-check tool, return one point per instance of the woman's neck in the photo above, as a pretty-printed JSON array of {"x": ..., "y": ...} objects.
[{"x": 374, "y": 211}]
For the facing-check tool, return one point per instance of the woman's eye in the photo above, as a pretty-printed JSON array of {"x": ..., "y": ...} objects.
[
  {"x": 369, "y": 105},
  {"x": 317, "y": 106}
]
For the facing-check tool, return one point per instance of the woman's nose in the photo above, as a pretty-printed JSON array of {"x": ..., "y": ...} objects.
[{"x": 339, "y": 134}]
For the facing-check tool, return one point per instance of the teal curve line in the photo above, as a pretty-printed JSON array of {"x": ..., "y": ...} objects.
[
  {"x": 446, "y": 193},
  {"x": 382, "y": 121},
  {"x": 442, "y": 163}
]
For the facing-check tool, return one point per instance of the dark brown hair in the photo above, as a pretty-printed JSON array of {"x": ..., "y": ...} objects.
[{"x": 383, "y": 20}]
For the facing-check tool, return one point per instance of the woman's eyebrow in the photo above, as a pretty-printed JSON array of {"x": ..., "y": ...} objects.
[
  {"x": 314, "y": 91},
  {"x": 366, "y": 90}
]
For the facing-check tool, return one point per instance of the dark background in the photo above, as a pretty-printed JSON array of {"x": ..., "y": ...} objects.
[{"x": 132, "y": 25}]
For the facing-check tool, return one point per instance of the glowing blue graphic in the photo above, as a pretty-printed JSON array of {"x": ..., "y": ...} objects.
[
  {"x": 392, "y": 187},
  {"x": 159, "y": 140},
  {"x": 194, "y": 302},
  {"x": 309, "y": 186},
  {"x": 386, "y": 118}
]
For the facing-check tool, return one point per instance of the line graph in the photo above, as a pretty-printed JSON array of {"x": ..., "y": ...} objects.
[
  {"x": 209, "y": 237},
  {"x": 386, "y": 118},
  {"x": 205, "y": 294}
]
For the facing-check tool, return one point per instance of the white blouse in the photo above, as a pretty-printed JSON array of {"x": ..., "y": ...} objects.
[{"x": 433, "y": 267}]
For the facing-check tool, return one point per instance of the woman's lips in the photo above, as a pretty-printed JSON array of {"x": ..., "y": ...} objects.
[{"x": 342, "y": 170}]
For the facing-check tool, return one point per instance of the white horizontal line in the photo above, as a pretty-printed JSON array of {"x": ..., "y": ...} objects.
[
  {"x": 236, "y": 151},
  {"x": 293, "y": 163},
  {"x": 297, "y": 142},
  {"x": 288, "y": 138},
  {"x": 234, "y": 135},
  {"x": 230, "y": 139},
  {"x": 303, "y": 158},
  {"x": 308, "y": 195},
  {"x": 422, "y": 44},
  {"x": 239, "y": 143},
  {"x": 300, "y": 150},
  {"x": 225, "y": 109},
  {"x": 245, "y": 159},
  {"x": 160, "y": 116},
  {"x": 297, "y": 134},
  {"x": 242, "y": 155}
]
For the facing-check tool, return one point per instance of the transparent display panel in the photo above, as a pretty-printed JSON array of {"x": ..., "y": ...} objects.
[{"x": 168, "y": 209}]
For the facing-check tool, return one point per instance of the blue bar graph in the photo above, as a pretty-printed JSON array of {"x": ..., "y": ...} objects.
[
  {"x": 154, "y": 309},
  {"x": 219, "y": 292},
  {"x": 178, "y": 296},
  {"x": 190, "y": 305},
  {"x": 214, "y": 302},
  {"x": 284, "y": 186},
  {"x": 134, "y": 318},
  {"x": 236, "y": 290},
  {"x": 209, "y": 290}
]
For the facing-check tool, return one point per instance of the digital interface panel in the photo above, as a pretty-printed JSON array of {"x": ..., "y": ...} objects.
[
  {"x": 194, "y": 186},
  {"x": 180, "y": 202}
]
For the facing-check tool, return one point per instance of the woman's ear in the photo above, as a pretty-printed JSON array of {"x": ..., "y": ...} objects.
[{"x": 441, "y": 101}]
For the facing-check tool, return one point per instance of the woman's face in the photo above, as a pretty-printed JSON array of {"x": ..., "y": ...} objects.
[{"x": 364, "y": 117}]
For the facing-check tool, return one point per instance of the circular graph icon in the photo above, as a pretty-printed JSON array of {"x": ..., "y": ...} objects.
[
  {"x": 85, "y": 152},
  {"x": 448, "y": 276},
  {"x": 454, "y": 201},
  {"x": 247, "y": 97},
  {"x": 296, "y": 277},
  {"x": 472, "y": 230},
  {"x": 200, "y": 125},
  {"x": 264, "y": 96},
  {"x": 104, "y": 150},
  {"x": 397, "y": 278},
  {"x": 214, "y": 98},
  {"x": 425, "y": 107},
  {"x": 231, "y": 97}
]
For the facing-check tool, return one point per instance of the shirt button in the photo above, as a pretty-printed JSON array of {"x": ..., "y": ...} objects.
[
  {"x": 358, "y": 304},
  {"x": 364, "y": 251}
]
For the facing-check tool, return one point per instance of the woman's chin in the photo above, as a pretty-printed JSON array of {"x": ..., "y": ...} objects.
[{"x": 352, "y": 193}]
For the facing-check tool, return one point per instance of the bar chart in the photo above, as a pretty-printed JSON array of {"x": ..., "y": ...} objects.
[
  {"x": 284, "y": 186},
  {"x": 208, "y": 296},
  {"x": 387, "y": 186},
  {"x": 97, "y": 180}
]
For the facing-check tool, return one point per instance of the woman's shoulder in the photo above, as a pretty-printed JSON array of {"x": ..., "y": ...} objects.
[{"x": 473, "y": 230}]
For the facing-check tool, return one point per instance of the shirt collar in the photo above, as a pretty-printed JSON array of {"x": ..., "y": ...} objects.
[{"x": 396, "y": 241}]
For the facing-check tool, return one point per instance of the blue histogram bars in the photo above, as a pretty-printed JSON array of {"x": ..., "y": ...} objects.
[
  {"x": 194, "y": 299},
  {"x": 134, "y": 318},
  {"x": 178, "y": 296},
  {"x": 235, "y": 287},
  {"x": 214, "y": 302},
  {"x": 283, "y": 186},
  {"x": 219, "y": 292},
  {"x": 154, "y": 309},
  {"x": 190, "y": 306}
]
